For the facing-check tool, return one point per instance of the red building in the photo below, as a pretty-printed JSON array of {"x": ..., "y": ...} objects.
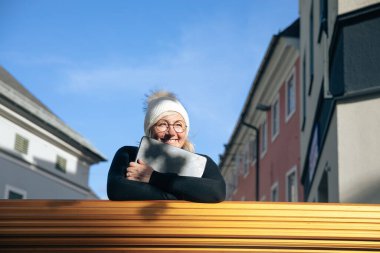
[{"x": 262, "y": 158}]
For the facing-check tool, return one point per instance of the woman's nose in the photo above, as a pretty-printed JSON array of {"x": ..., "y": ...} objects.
[{"x": 171, "y": 130}]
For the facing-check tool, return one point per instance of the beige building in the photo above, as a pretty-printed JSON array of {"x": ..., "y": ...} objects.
[
  {"x": 340, "y": 112},
  {"x": 40, "y": 156}
]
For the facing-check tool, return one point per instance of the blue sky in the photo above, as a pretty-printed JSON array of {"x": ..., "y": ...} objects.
[{"x": 92, "y": 62}]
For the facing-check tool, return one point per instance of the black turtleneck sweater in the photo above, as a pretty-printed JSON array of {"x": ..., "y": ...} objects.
[{"x": 163, "y": 186}]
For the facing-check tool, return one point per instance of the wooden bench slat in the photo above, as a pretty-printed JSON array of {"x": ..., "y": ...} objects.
[
  {"x": 184, "y": 205},
  {"x": 177, "y": 249},
  {"x": 373, "y": 227},
  {"x": 193, "y": 213},
  {"x": 201, "y": 232},
  {"x": 93, "y": 217},
  {"x": 172, "y": 226},
  {"x": 199, "y": 242}
]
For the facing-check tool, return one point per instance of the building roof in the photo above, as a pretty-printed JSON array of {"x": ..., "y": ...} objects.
[
  {"x": 292, "y": 30},
  {"x": 7, "y": 78},
  {"x": 19, "y": 97}
]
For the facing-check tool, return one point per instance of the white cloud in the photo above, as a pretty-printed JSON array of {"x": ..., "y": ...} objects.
[
  {"x": 210, "y": 68},
  {"x": 29, "y": 60}
]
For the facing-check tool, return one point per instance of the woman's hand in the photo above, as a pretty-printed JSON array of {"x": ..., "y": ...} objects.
[{"x": 139, "y": 171}]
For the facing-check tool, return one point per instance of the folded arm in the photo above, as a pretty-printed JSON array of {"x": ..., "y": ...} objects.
[
  {"x": 120, "y": 188},
  {"x": 210, "y": 188}
]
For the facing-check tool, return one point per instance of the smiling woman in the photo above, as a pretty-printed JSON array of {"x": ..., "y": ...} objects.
[
  {"x": 167, "y": 121},
  {"x": 163, "y": 108}
]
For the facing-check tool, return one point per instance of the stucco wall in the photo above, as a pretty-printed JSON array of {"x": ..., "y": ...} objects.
[
  {"x": 41, "y": 152},
  {"x": 345, "y": 6},
  {"x": 359, "y": 145},
  {"x": 36, "y": 185}
]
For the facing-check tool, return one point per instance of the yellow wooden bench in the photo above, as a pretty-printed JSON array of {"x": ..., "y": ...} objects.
[{"x": 167, "y": 226}]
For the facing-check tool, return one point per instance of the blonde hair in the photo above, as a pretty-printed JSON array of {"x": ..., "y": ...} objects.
[
  {"x": 188, "y": 146},
  {"x": 173, "y": 105}
]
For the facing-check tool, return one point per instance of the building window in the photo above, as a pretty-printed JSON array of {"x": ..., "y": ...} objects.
[
  {"x": 323, "y": 9},
  {"x": 313, "y": 153},
  {"x": 290, "y": 96},
  {"x": 311, "y": 46},
  {"x": 252, "y": 150},
  {"x": 264, "y": 141},
  {"x": 236, "y": 170},
  {"x": 246, "y": 160},
  {"x": 275, "y": 119},
  {"x": 291, "y": 185},
  {"x": 274, "y": 196},
  {"x": 238, "y": 162},
  {"x": 303, "y": 93},
  {"x": 12, "y": 192},
  {"x": 235, "y": 176},
  {"x": 21, "y": 144},
  {"x": 231, "y": 184},
  {"x": 60, "y": 163}
]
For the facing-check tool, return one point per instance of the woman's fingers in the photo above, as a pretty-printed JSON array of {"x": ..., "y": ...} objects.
[
  {"x": 133, "y": 164},
  {"x": 139, "y": 171},
  {"x": 131, "y": 172},
  {"x": 133, "y": 176},
  {"x": 134, "y": 173}
]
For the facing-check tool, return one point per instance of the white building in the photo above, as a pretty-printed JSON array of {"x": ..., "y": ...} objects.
[{"x": 40, "y": 156}]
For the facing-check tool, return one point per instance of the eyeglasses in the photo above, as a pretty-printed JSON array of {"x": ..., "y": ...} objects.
[{"x": 163, "y": 126}]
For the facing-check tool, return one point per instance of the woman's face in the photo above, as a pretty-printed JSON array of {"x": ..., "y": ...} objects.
[{"x": 173, "y": 123}]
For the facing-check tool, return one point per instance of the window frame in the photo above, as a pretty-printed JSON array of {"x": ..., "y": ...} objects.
[
  {"x": 263, "y": 136},
  {"x": 235, "y": 173},
  {"x": 323, "y": 18},
  {"x": 232, "y": 184},
  {"x": 252, "y": 150},
  {"x": 272, "y": 188},
  {"x": 304, "y": 85},
  {"x": 311, "y": 47},
  {"x": 293, "y": 170},
  {"x": 275, "y": 118},
  {"x": 10, "y": 188},
  {"x": 246, "y": 159},
  {"x": 289, "y": 114},
  {"x": 21, "y": 144},
  {"x": 58, "y": 164}
]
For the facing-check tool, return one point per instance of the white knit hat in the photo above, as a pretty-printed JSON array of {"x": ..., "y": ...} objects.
[{"x": 159, "y": 103}]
